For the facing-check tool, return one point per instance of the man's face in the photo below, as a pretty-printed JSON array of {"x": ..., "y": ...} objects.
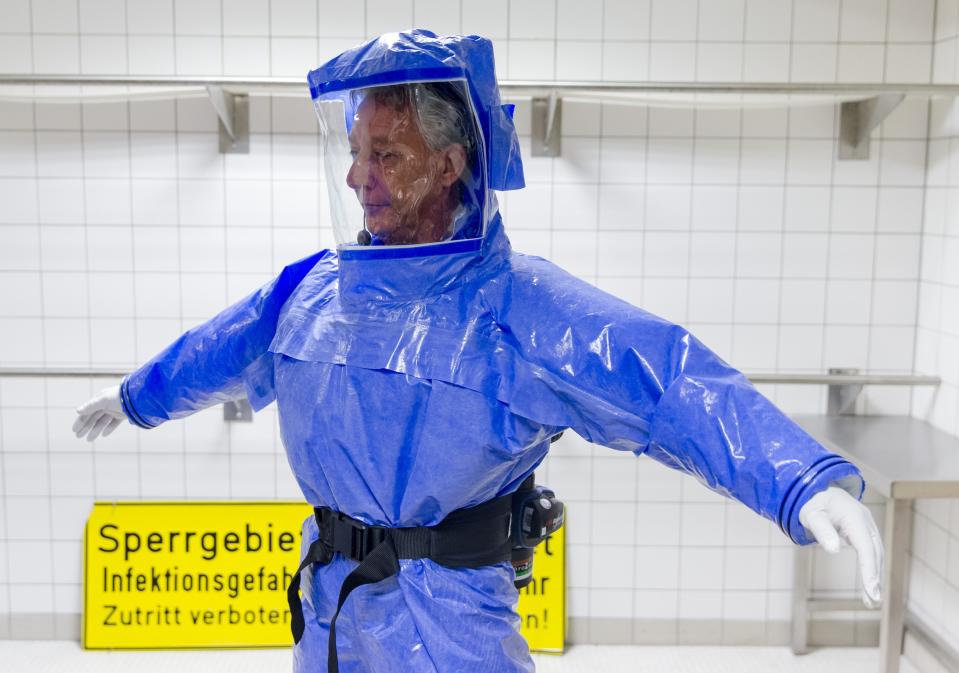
[{"x": 400, "y": 183}]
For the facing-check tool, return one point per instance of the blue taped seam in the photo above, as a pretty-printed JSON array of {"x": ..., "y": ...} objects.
[
  {"x": 405, "y": 75},
  {"x": 402, "y": 252}
]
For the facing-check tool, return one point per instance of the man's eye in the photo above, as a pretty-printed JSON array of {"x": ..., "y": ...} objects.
[
  {"x": 354, "y": 153},
  {"x": 384, "y": 155}
]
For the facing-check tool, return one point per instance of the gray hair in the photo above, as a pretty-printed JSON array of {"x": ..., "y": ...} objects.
[{"x": 443, "y": 115}]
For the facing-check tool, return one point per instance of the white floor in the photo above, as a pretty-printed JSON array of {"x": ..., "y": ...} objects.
[{"x": 60, "y": 656}]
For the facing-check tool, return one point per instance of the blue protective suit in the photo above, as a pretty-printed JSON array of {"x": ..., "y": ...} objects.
[{"x": 413, "y": 382}]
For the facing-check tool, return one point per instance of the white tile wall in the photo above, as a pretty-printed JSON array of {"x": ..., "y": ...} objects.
[
  {"x": 934, "y": 576},
  {"x": 121, "y": 225}
]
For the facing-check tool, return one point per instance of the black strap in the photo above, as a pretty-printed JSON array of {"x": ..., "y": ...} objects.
[
  {"x": 377, "y": 566},
  {"x": 320, "y": 553}
]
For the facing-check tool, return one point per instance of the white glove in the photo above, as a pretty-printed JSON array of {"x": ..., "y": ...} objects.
[
  {"x": 833, "y": 516},
  {"x": 100, "y": 415}
]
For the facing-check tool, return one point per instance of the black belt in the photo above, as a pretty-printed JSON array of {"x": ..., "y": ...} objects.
[{"x": 468, "y": 538}]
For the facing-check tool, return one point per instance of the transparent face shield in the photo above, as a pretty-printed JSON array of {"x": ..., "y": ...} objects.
[{"x": 403, "y": 164}]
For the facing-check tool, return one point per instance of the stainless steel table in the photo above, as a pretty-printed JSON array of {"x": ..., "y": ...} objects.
[{"x": 902, "y": 458}]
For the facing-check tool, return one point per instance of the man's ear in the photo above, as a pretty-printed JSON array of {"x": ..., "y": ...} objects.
[{"x": 453, "y": 164}]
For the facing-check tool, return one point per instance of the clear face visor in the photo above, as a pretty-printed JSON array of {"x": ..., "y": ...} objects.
[{"x": 403, "y": 164}]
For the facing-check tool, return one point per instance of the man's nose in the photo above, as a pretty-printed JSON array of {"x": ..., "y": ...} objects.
[{"x": 359, "y": 173}]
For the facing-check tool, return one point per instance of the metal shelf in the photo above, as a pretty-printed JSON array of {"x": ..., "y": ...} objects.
[
  {"x": 509, "y": 87},
  {"x": 863, "y": 105},
  {"x": 848, "y": 379}
]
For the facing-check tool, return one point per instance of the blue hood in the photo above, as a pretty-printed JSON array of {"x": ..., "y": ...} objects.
[{"x": 420, "y": 56}]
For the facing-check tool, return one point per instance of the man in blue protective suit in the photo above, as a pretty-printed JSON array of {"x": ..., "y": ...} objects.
[{"x": 421, "y": 370}]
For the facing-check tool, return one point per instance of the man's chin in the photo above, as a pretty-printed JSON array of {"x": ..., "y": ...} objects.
[
  {"x": 384, "y": 233},
  {"x": 388, "y": 230}
]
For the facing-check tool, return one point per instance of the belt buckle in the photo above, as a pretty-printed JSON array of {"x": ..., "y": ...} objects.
[{"x": 353, "y": 538}]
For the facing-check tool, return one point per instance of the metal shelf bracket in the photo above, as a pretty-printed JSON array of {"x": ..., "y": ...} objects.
[
  {"x": 843, "y": 396},
  {"x": 234, "y": 113},
  {"x": 547, "y": 117},
  {"x": 238, "y": 410},
  {"x": 858, "y": 118}
]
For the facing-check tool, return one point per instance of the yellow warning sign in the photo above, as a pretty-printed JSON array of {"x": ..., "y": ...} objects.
[
  {"x": 191, "y": 574},
  {"x": 542, "y": 602},
  {"x": 170, "y": 575}
]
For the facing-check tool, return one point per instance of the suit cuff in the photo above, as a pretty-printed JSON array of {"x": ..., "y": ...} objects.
[
  {"x": 818, "y": 477},
  {"x": 127, "y": 403}
]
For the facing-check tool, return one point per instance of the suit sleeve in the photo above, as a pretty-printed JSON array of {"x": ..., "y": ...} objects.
[
  {"x": 624, "y": 378},
  {"x": 223, "y": 359}
]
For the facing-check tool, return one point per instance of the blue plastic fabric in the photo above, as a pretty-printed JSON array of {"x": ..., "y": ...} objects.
[
  {"x": 415, "y": 381},
  {"x": 412, "y": 386}
]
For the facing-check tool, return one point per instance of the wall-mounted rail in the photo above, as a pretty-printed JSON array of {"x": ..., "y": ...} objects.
[
  {"x": 234, "y": 410},
  {"x": 798, "y": 378},
  {"x": 844, "y": 384},
  {"x": 64, "y": 372}
]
